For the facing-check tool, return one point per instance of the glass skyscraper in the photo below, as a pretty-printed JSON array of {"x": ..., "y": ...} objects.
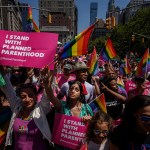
[{"x": 93, "y": 12}]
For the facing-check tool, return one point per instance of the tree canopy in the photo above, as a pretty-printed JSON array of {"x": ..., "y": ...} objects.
[{"x": 121, "y": 35}]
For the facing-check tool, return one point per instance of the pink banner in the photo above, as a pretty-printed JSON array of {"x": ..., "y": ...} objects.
[
  {"x": 27, "y": 49},
  {"x": 129, "y": 85},
  {"x": 68, "y": 131},
  {"x": 147, "y": 84}
]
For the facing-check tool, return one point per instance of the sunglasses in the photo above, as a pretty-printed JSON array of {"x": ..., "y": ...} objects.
[
  {"x": 16, "y": 71},
  {"x": 96, "y": 132},
  {"x": 145, "y": 118},
  {"x": 83, "y": 70}
]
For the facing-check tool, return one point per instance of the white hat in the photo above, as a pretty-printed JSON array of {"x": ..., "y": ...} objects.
[{"x": 80, "y": 66}]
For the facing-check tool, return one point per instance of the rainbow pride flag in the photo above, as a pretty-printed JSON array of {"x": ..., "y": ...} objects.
[
  {"x": 121, "y": 86},
  {"x": 120, "y": 82},
  {"x": 31, "y": 25},
  {"x": 93, "y": 63},
  {"x": 108, "y": 52},
  {"x": 35, "y": 27},
  {"x": 98, "y": 103},
  {"x": 144, "y": 64},
  {"x": 103, "y": 55},
  {"x": 77, "y": 46},
  {"x": 110, "y": 49},
  {"x": 125, "y": 68},
  {"x": 29, "y": 17}
]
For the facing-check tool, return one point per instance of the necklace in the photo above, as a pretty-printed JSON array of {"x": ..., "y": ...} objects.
[{"x": 29, "y": 117}]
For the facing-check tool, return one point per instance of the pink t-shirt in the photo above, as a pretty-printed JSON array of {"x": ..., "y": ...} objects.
[
  {"x": 129, "y": 85},
  {"x": 62, "y": 79},
  {"x": 27, "y": 135}
]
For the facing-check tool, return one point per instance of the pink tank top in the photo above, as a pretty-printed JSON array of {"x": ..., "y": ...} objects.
[
  {"x": 145, "y": 92},
  {"x": 27, "y": 136}
]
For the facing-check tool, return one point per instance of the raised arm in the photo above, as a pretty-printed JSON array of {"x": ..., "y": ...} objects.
[
  {"x": 121, "y": 98},
  {"x": 47, "y": 78}
]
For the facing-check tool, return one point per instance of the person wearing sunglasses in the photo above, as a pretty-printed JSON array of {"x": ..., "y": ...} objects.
[
  {"x": 98, "y": 131},
  {"x": 134, "y": 131},
  {"x": 28, "y": 122}
]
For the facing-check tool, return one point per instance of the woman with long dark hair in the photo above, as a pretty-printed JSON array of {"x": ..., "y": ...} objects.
[
  {"x": 75, "y": 102},
  {"x": 134, "y": 131}
]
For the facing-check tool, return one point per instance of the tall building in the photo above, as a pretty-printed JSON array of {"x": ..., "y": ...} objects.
[
  {"x": 132, "y": 2},
  {"x": 24, "y": 14},
  {"x": 10, "y": 17},
  {"x": 59, "y": 16},
  {"x": 111, "y": 5},
  {"x": 113, "y": 11},
  {"x": 99, "y": 30},
  {"x": 93, "y": 12},
  {"x": 132, "y": 8}
]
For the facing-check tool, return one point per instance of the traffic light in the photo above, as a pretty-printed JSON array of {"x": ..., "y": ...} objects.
[
  {"x": 49, "y": 18},
  {"x": 133, "y": 38},
  {"x": 113, "y": 21},
  {"x": 142, "y": 40},
  {"x": 108, "y": 23}
]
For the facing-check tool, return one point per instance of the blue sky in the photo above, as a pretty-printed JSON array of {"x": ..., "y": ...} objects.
[{"x": 83, "y": 10}]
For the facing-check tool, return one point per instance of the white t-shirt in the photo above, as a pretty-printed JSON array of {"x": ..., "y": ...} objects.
[
  {"x": 94, "y": 146},
  {"x": 90, "y": 90}
]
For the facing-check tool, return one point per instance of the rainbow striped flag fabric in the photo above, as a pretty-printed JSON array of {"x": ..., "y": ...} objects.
[
  {"x": 108, "y": 52},
  {"x": 125, "y": 68},
  {"x": 121, "y": 86},
  {"x": 35, "y": 27},
  {"x": 110, "y": 49},
  {"x": 120, "y": 82},
  {"x": 93, "y": 63},
  {"x": 98, "y": 103},
  {"x": 103, "y": 55},
  {"x": 77, "y": 46},
  {"x": 144, "y": 64},
  {"x": 31, "y": 25}
]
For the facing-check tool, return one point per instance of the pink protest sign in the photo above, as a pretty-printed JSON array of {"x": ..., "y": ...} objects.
[
  {"x": 68, "y": 131},
  {"x": 129, "y": 85},
  {"x": 27, "y": 49},
  {"x": 147, "y": 85}
]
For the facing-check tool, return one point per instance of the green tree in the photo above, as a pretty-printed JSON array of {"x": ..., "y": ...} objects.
[{"x": 121, "y": 35}]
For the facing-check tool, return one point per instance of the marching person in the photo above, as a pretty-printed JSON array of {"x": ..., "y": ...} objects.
[
  {"x": 74, "y": 104},
  {"x": 28, "y": 122}
]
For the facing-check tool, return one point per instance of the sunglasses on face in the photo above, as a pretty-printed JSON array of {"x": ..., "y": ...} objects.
[
  {"x": 145, "y": 118},
  {"x": 16, "y": 71},
  {"x": 96, "y": 132},
  {"x": 83, "y": 70}
]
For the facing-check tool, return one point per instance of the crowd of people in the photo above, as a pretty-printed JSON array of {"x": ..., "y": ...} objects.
[{"x": 31, "y": 97}]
